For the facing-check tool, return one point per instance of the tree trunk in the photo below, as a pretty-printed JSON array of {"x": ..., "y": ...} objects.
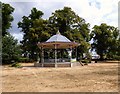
[{"x": 101, "y": 57}]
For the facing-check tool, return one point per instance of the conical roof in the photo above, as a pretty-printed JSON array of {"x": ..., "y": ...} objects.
[{"x": 58, "y": 38}]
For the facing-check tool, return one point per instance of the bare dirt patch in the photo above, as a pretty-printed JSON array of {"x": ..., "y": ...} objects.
[{"x": 96, "y": 77}]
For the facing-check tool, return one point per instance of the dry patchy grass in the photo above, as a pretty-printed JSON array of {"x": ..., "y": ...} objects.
[{"x": 96, "y": 77}]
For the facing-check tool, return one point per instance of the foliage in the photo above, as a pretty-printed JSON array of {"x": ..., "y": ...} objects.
[
  {"x": 24, "y": 59},
  {"x": 116, "y": 57},
  {"x": 72, "y": 26},
  {"x": 105, "y": 40},
  {"x": 35, "y": 30},
  {"x": 85, "y": 61},
  {"x": 16, "y": 65},
  {"x": 10, "y": 50},
  {"x": 7, "y": 17}
]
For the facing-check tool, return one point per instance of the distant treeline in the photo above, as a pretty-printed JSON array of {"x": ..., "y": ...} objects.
[{"x": 106, "y": 38}]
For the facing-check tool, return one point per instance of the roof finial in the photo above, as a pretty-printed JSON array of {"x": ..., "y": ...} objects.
[{"x": 58, "y": 32}]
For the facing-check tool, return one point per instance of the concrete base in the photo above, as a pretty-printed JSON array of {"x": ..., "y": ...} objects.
[{"x": 66, "y": 64}]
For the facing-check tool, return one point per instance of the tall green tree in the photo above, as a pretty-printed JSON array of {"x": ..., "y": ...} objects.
[
  {"x": 7, "y": 17},
  {"x": 10, "y": 49},
  {"x": 72, "y": 26},
  {"x": 34, "y": 29},
  {"x": 114, "y": 47},
  {"x": 105, "y": 39}
]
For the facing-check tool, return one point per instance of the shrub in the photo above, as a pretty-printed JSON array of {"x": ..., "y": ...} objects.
[
  {"x": 85, "y": 62},
  {"x": 23, "y": 59},
  {"x": 11, "y": 50},
  {"x": 115, "y": 57},
  {"x": 16, "y": 65}
]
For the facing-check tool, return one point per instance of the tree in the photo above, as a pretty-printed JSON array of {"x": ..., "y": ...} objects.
[
  {"x": 7, "y": 17},
  {"x": 35, "y": 30},
  {"x": 72, "y": 26},
  {"x": 114, "y": 47},
  {"x": 105, "y": 39},
  {"x": 0, "y": 31},
  {"x": 10, "y": 49}
]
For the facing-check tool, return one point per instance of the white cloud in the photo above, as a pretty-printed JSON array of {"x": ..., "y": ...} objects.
[
  {"x": 95, "y": 15},
  {"x": 18, "y": 36},
  {"x": 95, "y": 11}
]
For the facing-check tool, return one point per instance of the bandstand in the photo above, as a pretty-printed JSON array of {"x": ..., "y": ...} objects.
[{"x": 57, "y": 42}]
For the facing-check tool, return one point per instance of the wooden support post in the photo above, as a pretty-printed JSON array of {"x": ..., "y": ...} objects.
[
  {"x": 76, "y": 53},
  {"x": 71, "y": 54},
  {"x": 55, "y": 55},
  {"x": 42, "y": 59}
]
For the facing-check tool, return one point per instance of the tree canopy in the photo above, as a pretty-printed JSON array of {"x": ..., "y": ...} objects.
[
  {"x": 105, "y": 40},
  {"x": 69, "y": 24},
  {"x": 10, "y": 49},
  {"x": 72, "y": 26},
  {"x": 35, "y": 30},
  {"x": 7, "y": 17}
]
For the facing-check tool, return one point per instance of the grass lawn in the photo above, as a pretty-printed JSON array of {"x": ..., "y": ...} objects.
[{"x": 94, "y": 77}]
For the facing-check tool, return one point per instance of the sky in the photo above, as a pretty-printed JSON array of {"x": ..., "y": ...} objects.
[{"x": 94, "y": 12}]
